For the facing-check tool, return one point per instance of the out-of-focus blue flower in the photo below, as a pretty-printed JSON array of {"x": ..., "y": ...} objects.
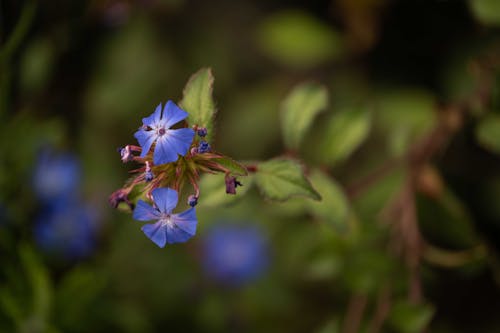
[
  {"x": 170, "y": 228},
  {"x": 56, "y": 176},
  {"x": 235, "y": 254},
  {"x": 169, "y": 142},
  {"x": 67, "y": 230}
]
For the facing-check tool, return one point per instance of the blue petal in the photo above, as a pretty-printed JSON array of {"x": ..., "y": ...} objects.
[
  {"x": 186, "y": 221},
  {"x": 145, "y": 139},
  {"x": 165, "y": 199},
  {"x": 156, "y": 232},
  {"x": 172, "y": 114},
  {"x": 180, "y": 139},
  {"x": 165, "y": 150},
  {"x": 176, "y": 235},
  {"x": 154, "y": 118},
  {"x": 144, "y": 212}
]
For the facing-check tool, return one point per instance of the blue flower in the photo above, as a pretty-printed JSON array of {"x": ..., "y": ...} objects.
[
  {"x": 66, "y": 230},
  {"x": 170, "y": 228},
  {"x": 169, "y": 142},
  {"x": 56, "y": 176},
  {"x": 235, "y": 254},
  {"x": 204, "y": 147}
]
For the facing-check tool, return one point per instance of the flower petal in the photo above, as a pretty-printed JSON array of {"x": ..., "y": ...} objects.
[
  {"x": 154, "y": 118},
  {"x": 172, "y": 114},
  {"x": 181, "y": 139},
  {"x": 186, "y": 221},
  {"x": 156, "y": 232},
  {"x": 145, "y": 212},
  {"x": 176, "y": 235},
  {"x": 165, "y": 199},
  {"x": 145, "y": 139},
  {"x": 165, "y": 151}
]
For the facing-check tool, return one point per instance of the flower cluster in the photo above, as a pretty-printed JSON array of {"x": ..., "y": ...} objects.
[
  {"x": 65, "y": 227},
  {"x": 170, "y": 154}
]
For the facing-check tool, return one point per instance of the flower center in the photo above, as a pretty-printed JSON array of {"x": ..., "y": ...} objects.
[
  {"x": 161, "y": 131},
  {"x": 166, "y": 219}
]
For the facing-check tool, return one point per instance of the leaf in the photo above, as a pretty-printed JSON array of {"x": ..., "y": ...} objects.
[
  {"x": 333, "y": 207},
  {"x": 298, "y": 40},
  {"x": 345, "y": 132},
  {"x": 299, "y": 108},
  {"x": 488, "y": 132},
  {"x": 410, "y": 318},
  {"x": 213, "y": 191},
  {"x": 198, "y": 101},
  {"x": 235, "y": 168},
  {"x": 281, "y": 179},
  {"x": 486, "y": 11}
]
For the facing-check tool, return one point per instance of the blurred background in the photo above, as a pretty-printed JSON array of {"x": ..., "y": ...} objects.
[{"x": 407, "y": 236}]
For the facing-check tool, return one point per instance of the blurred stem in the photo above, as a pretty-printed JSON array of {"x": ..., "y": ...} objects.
[
  {"x": 451, "y": 259},
  {"x": 355, "y": 311},
  {"x": 381, "y": 311},
  {"x": 9, "y": 49}
]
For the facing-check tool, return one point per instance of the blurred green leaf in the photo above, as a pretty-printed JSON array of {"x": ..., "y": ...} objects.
[
  {"x": 410, "y": 318},
  {"x": 345, "y": 132},
  {"x": 486, "y": 11},
  {"x": 198, "y": 102},
  {"x": 281, "y": 179},
  {"x": 235, "y": 168},
  {"x": 37, "y": 64},
  {"x": 488, "y": 132},
  {"x": 299, "y": 109},
  {"x": 213, "y": 190},
  {"x": 405, "y": 115},
  {"x": 333, "y": 207},
  {"x": 298, "y": 39}
]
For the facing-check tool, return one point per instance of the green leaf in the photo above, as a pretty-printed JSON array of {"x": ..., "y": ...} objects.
[
  {"x": 405, "y": 115},
  {"x": 198, "y": 101},
  {"x": 281, "y": 179},
  {"x": 298, "y": 39},
  {"x": 488, "y": 132},
  {"x": 235, "y": 168},
  {"x": 299, "y": 108},
  {"x": 213, "y": 191},
  {"x": 410, "y": 318},
  {"x": 345, "y": 132},
  {"x": 486, "y": 11},
  {"x": 333, "y": 207}
]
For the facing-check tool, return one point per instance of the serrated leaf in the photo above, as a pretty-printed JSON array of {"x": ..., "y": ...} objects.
[
  {"x": 488, "y": 132},
  {"x": 345, "y": 132},
  {"x": 410, "y": 318},
  {"x": 299, "y": 109},
  {"x": 235, "y": 168},
  {"x": 333, "y": 207},
  {"x": 281, "y": 179},
  {"x": 213, "y": 191},
  {"x": 198, "y": 102}
]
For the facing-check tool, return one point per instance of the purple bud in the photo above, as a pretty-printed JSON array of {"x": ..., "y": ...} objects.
[
  {"x": 126, "y": 154},
  {"x": 204, "y": 147},
  {"x": 232, "y": 184},
  {"x": 192, "y": 200},
  {"x": 202, "y": 132},
  {"x": 148, "y": 173}
]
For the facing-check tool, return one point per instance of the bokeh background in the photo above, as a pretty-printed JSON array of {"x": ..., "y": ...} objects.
[{"x": 407, "y": 240}]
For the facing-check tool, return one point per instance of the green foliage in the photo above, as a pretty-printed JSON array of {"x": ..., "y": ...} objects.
[
  {"x": 212, "y": 188},
  {"x": 333, "y": 207},
  {"x": 405, "y": 115},
  {"x": 410, "y": 318},
  {"x": 298, "y": 40},
  {"x": 198, "y": 102},
  {"x": 299, "y": 109},
  {"x": 486, "y": 11},
  {"x": 488, "y": 132},
  {"x": 281, "y": 179},
  {"x": 345, "y": 132}
]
